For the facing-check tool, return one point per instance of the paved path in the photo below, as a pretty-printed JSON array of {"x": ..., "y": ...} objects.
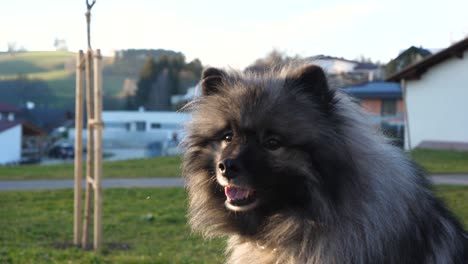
[
  {"x": 106, "y": 183},
  {"x": 160, "y": 182},
  {"x": 453, "y": 179}
]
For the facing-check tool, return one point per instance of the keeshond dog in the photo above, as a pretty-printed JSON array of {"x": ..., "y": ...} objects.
[{"x": 287, "y": 168}]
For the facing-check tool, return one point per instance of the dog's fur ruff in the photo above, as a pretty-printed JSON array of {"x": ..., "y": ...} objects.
[{"x": 335, "y": 191}]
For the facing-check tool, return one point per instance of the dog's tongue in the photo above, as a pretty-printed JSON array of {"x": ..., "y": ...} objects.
[{"x": 235, "y": 193}]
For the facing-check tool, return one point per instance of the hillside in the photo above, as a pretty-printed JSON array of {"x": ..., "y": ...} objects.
[
  {"x": 47, "y": 78},
  {"x": 57, "y": 70},
  {"x": 33, "y": 62}
]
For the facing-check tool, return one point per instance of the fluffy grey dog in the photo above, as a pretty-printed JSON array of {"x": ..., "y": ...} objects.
[{"x": 287, "y": 169}]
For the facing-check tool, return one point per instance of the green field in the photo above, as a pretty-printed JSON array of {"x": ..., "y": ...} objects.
[
  {"x": 57, "y": 69},
  {"x": 434, "y": 161},
  {"x": 139, "y": 226},
  {"x": 456, "y": 197},
  {"x": 33, "y": 62},
  {"x": 442, "y": 161},
  {"x": 137, "y": 168}
]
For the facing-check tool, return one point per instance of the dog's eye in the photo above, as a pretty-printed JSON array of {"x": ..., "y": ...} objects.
[
  {"x": 272, "y": 144},
  {"x": 228, "y": 137}
]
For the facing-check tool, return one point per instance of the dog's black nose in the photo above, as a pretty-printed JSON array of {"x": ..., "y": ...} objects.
[{"x": 228, "y": 168}]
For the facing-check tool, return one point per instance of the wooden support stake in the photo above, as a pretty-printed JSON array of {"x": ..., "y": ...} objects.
[
  {"x": 91, "y": 181},
  {"x": 77, "y": 228},
  {"x": 90, "y": 151},
  {"x": 97, "y": 150}
]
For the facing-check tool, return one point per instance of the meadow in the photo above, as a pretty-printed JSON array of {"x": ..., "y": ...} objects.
[
  {"x": 145, "y": 225},
  {"x": 139, "y": 226},
  {"x": 433, "y": 161},
  {"x": 57, "y": 69},
  {"x": 136, "y": 168},
  {"x": 442, "y": 161}
]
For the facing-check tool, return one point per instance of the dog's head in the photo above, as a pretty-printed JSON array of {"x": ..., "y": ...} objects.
[{"x": 253, "y": 147}]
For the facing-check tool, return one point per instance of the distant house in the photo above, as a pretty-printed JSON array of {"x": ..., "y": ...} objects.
[
  {"x": 137, "y": 129},
  {"x": 435, "y": 90},
  {"x": 384, "y": 104},
  {"x": 19, "y": 141},
  {"x": 343, "y": 72},
  {"x": 10, "y": 142},
  {"x": 32, "y": 143},
  {"x": 8, "y": 112},
  {"x": 10, "y": 134},
  {"x": 378, "y": 98}
]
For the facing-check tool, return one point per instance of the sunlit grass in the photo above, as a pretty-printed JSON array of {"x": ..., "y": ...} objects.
[
  {"x": 434, "y": 161},
  {"x": 136, "y": 168},
  {"x": 442, "y": 161},
  {"x": 33, "y": 62},
  {"x": 49, "y": 66},
  {"x": 139, "y": 226},
  {"x": 456, "y": 198},
  {"x": 46, "y": 76},
  {"x": 146, "y": 225}
]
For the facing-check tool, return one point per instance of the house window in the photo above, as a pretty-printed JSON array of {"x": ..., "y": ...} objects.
[
  {"x": 117, "y": 125},
  {"x": 170, "y": 126},
  {"x": 11, "y": 116},
  {"x": 155, "y": 125},
  {"x": 1, "y": 116},
  {"x": 388, "y": 107},
  {"x": 140, "y": 126}
]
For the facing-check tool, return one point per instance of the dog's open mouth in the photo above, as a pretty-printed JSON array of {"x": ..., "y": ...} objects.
[{"x": 240, "y": 199}]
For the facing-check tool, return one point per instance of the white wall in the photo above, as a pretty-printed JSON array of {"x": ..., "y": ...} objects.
[
  {"x": 155, "y": 116},
  {"x": 10, "y": 145},
  {"x": 438, "y": 103},
  {"x": 168, "y": 120},
  {"x": 115, "y": 134},
  {"x": 127, "y": 139},
  {"x": 334, "y": 66}
]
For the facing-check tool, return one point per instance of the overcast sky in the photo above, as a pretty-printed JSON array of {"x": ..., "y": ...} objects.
[{"x": 235, "y": 33}]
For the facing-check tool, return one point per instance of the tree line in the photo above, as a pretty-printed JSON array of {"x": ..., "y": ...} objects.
[{"x": 161, "y": 77}]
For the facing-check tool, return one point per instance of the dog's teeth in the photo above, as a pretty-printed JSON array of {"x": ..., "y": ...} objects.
[{"x": 238, "y": 195}]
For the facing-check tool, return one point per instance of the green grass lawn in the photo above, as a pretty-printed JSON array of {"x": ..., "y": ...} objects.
[
  {"x": 434, "y": 161},
  {"x": 137, "y": 168},
  {"x": 139, "y": 226},
  {"x": 456, "y": 197},
  {"x": 442, "y": 161}
]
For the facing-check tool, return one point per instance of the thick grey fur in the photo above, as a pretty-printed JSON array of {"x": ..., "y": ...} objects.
[{"x": 378, "y": 208}]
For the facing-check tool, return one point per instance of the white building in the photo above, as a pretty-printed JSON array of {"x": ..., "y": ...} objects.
[
  {"x": 333, "y": 65},
  {"x": 10, "y": 142},
  {"x": 10, "y": 134},
  {"x": 435, "y": 91},
  {"x": 338, "y": 66},
  {"x": 137, "y": 129}
]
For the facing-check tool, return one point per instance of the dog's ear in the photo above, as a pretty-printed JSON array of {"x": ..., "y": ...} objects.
[
  {"x": 312, "y": 80},
  {"x": 211, "y": 80}
]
